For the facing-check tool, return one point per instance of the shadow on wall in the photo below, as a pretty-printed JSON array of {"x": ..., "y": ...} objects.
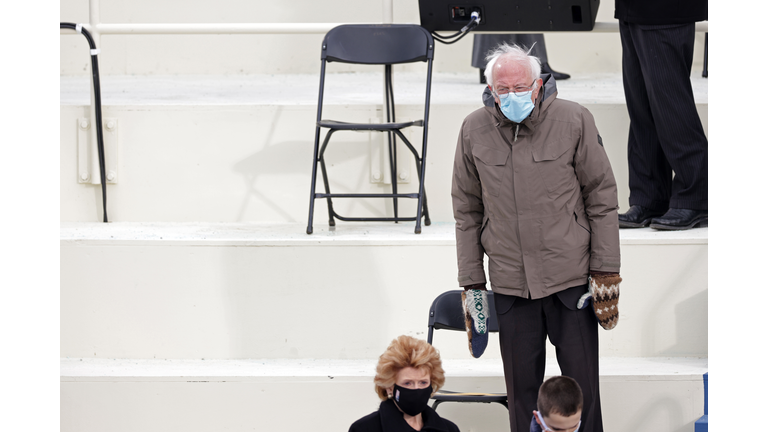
[
  {"x": 661, "y": 414},
  {"x": 283, "y": 169},
  {"x": 688, "y": 317},
  {"x": 275, "y": 310},
  {"x": 692, "y": 319}
]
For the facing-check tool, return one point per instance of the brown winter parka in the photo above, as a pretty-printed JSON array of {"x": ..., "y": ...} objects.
[{"x": 539, "y": 198}]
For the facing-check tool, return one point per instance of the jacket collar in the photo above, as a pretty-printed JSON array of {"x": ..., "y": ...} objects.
[
  {"x": 545, "y": 98},
  {"x": 392, "y": 419}
]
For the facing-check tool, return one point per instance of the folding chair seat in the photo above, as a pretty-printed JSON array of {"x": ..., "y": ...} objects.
[
  {"x": 385, "y": 44},
  {"x": 446, "y": 313}
]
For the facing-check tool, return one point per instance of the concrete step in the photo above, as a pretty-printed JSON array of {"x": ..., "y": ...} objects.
[
  {"x": 250, "y": 290},
  {"x": 239, "y": 148},
  {"x": 638, "y": 394}
]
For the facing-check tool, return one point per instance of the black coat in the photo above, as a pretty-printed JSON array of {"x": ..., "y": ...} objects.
[
  {"x": 389, "y": 419},
  {"x": 661, "y": 11}
]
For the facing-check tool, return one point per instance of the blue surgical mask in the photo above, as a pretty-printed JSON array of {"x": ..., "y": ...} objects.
[{"x": 516, "y": 107}]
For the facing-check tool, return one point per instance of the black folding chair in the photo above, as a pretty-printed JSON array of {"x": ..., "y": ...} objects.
[
  {"x": 384, "y": 44},
  {"x": 446, "y": 313}
]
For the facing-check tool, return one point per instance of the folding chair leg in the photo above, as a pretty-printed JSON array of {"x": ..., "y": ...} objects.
[
  {"x": 389, "y": 99},
  {"x": 417, "y": 230},
  {"x": 311, "y": 207},
  {"x": 314, "y": 178},
  {"x": 427, "y": 221},
  {"x": 393, "y": 169},
  {"x": 331, "y": 220},
  {"x": 321, "y": 158},
  {"x": 422, "y": 198},
  {"x": 422, "y": 205}
]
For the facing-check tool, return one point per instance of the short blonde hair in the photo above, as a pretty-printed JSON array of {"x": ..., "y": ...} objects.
[{"x": 403, "y": 352}]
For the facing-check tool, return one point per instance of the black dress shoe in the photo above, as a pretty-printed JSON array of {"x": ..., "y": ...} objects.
[
  {"x": 681, "y": 219},
  {"x": 556, "y": 75},
  {"x": 638, "y": 217}
]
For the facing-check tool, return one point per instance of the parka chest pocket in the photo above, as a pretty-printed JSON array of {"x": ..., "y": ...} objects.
[
  {"x": 554, "y": 161},
  {"x": 491, "y": 164}
]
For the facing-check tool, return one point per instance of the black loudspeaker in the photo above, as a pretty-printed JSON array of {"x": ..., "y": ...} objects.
[{"x": 530, "y": 16}]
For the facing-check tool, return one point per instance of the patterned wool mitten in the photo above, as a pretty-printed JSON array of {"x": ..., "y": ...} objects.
[
  {"x": 605, "y": 298},
  {"x": 475, "y": 303}
]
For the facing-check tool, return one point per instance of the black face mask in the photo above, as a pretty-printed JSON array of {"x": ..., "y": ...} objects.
[{"x": 411, "y": 402}]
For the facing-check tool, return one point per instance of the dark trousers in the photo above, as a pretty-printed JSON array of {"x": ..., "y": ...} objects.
[
  {"x": 665, "y": 132},
  {"x": 524, "y": 325}
]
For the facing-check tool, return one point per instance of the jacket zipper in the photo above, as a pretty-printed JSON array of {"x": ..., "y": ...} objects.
[{"x": 517, "y": 231}]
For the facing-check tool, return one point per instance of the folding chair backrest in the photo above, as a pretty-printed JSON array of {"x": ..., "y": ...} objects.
[
  {"x": 447, "y": 313},
  {"x": 378, "y": 44}
]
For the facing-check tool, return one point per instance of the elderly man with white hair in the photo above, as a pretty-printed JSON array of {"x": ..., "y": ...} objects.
[{"x": 534, "y": 191}]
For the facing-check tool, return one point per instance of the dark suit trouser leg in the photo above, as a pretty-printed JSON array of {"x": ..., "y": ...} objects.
[
  {"x": 524, "y": 326},
  {"x": 573, "y": 332},
  {"x": 665, "y": 129}
]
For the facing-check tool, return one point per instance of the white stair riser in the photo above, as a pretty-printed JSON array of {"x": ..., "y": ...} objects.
[
  {"x": 253, "y": 163},
  {"x": 163, "y": 301},
  {"x": 629, "y": 404},
  {"x": 572, "y": 52}
]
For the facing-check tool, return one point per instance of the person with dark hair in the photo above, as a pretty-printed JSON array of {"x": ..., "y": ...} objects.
[
  {"x": 559, "y": 406},
  {"x": 482, "y": 43},
  {"x": 665, "y": 131},
  {"x": 407, "y": 375}
]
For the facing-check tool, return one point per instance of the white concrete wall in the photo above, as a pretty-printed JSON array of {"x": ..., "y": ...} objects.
[
  {"x": 575, "y": 53},
  {"x": 253, "y": 163},
  {"x": 157, "y": 297},
  {"x": 630, "y": 404}
]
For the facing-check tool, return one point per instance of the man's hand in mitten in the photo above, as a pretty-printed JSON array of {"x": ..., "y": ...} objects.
[
  {"x": 604, "y": 288},
  {"x": 474, "y": 301}
]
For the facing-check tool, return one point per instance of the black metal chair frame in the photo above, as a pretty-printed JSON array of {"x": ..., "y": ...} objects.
[
  {"x": 446, "y": 313},
  {"x": 375, "y": 45}
]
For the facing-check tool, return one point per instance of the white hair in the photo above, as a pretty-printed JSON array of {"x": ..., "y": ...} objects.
[{"x": 518, "y": 54}]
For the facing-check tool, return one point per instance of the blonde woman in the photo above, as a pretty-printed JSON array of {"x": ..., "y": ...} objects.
[{"x": 408, "y": 373}]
